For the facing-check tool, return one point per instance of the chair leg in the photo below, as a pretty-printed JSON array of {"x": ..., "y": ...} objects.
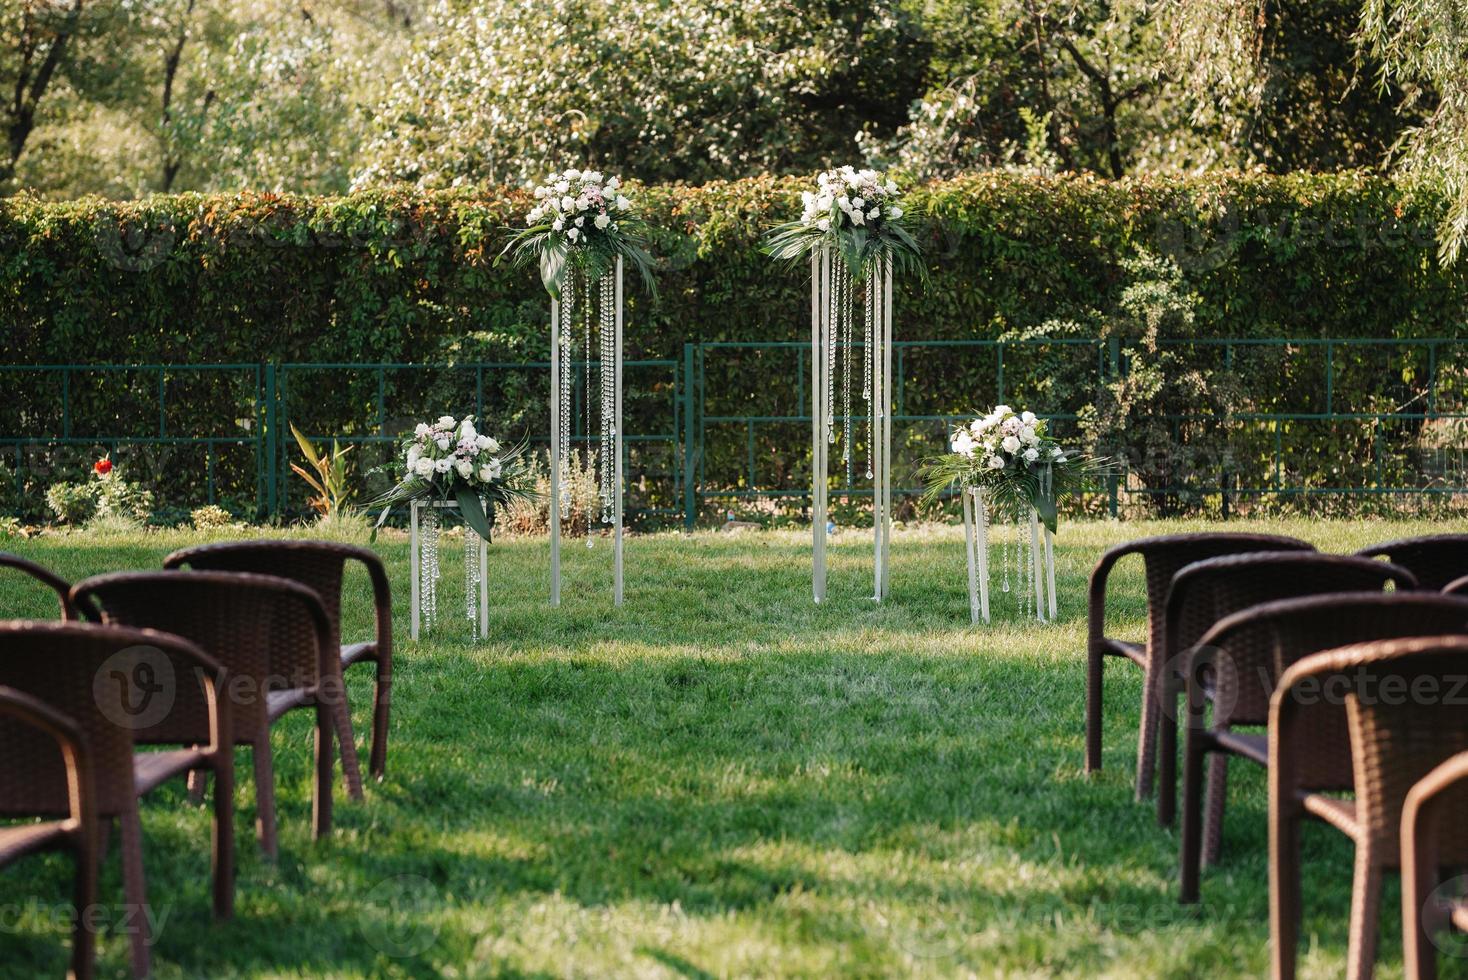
[
  {"x": 1419, "y": 878},
  {"x": 1365, "y": 913},
  {"x": 321, "y": 798},
  {"x": 1217, "y": 800},
  {"x": 341, "y": 716},
  {"x": 83, "y": 939},
  {"x": 1190, "y": 863},
  {"x": 1094, "y": 673},
  {"x": 265, "y": 796},
  {"x": 1167, "y": 692},
  {"x": 198, "y": 786},
  {"x": 382, "y": 698},
  {"x": 135, "y": 889},
  {"x": 222, "y": 859},
  {"x": 1147, "y": 735},
  {"x": 1284, "y": 890}
]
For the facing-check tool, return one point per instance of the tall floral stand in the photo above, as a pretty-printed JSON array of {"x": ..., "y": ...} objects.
[
  {"x": 599, "y": 312},
  {"x": 423, "y": 557},
  {"x": 839, "y": 306},
  {"x": 1033, "y": 552}
]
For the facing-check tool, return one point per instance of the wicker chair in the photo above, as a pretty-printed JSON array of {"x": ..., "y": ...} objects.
[
  {"x": 320, "y": 565},
  {"x": 94, "y": 675},
  {"x": 1458, "y": 586},
  {"x": 1436, "y": 808},
  {"x": 45, "y": 576},
  {"x": 1436, "y": 559},
  {"x": 235, "y": 616},
  {"x": 1162, "y": 558},
  {"x": 1243, "y": 656},
  {"x": 1403, "y": 707},
  {"x": 1207, "y": 591},
  {"x": 77, "y": 832}
]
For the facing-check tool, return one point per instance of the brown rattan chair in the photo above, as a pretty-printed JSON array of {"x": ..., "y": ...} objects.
[
  {"x": 235, "y": 616},
  {"x": 1436, "y": 559},
  {"x": 1204, "y": 593},
  {"x": 1242, "y": 657},
  {"x": 77, "y": 832},
  {"x": 320, "y": 565},
  {"x": 1458, "y": 586},
  {"x": 123, "y": 688},
  {"x": 1403, "y": 703},
  {"x": 1433, "y": 819},
  {"x": 45, "y": 576},
  {"x": 1162, "y": 558}
]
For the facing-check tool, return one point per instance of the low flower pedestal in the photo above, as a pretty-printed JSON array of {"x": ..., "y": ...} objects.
[
  {"x": 423, "y": 557},
  {"x": 1037, "y": 559}
]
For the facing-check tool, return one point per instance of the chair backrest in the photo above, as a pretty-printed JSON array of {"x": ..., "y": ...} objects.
[
  {"x": 45, "y": 576},
  {"x": 1164, "y": 556},
  {"x": 120, "y": 687},
  {"x": 1245, "y": 675},
  {"x": 1407, "y": 705},
  {"x": 1436, "y": 559},
  {"x": 236, "y": 617},
  {"x": 318, "y": 565},
  {"x": 1458, "y": 586},
  {"x": 21, "y": 710}
]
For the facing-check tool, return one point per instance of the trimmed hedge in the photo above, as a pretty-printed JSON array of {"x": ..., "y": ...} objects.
[{"x": 411, "y": 277}]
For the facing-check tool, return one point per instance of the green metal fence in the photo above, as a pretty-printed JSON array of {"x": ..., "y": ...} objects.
[{"x": 728, "y": 423}]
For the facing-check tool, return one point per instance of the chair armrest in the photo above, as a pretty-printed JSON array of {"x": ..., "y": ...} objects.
[
  {"x": 34, "y": 713},
  {"x": 1096, "y": 603},
  {"x": 1420, "y": 821},
  {"x": 1458, "y": 586},
  {"x": 381, "y": 601},
  {"x": 46, "y": 577}
]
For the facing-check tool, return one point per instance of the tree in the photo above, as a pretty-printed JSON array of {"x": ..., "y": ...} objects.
[{"x": 33, "y": 44}]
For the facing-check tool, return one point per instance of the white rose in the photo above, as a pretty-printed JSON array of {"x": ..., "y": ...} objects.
[
  {"x": 622, "y": 203},
  {"x": 465, "y": 468},
  {"x": 423, "y": 467},
  {"x": 963, "y": 443},
  {"x": 572, "y": 234},
  {"x": 495, "y": 468},
  {"x": 1057, "y": 454},
  {"x": 540, "y": 192},
  {"x": 558, "y": 224},
  {"x": 894, "y": 212},
  {"x": 602, "y": 220},
  {"x": 874, "y": 214},
  {"x": 442, "y": 465},
  {"x": 447, "y": 421},
  {"x": 1027, "y": 435},
  {"x": 823, "y": 225},
  {"x": 573, "y": 174},
  {"x": 422, "y": 430},
  {"x": 892, "y": 188},
  {"x": 857, "y": 218},
  {"x": 996, "y": 462},
  {"x": 1031, "y": 454},
  {"x": 562, "y": 186},
  {"x": 486, "y": 473},
  {"x": 467, "y": 430},
  {"x": 442, "y": 442},
  {"x": 858, "y": 202},
  {"x": 1028, "y": 418},
  {"x": 581, "y": 221},
  {"x": 414, "y": 454},
  {"x": 1011, "y": 444},
  {"x": 1000, "y": 411}
]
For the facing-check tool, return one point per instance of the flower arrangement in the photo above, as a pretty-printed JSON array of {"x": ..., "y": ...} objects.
[
  {"x": 450, "y": 458},
  {"x": 581, "y": 219},
  {"x": 1011, "y": 455},
  {"x": 858, "y": 213}
]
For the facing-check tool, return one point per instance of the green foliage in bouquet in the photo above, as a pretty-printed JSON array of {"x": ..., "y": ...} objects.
[{"x": 856, "y": 213}]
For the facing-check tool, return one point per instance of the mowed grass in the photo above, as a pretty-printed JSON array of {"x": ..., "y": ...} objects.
[{"x": 718, "y": 779}]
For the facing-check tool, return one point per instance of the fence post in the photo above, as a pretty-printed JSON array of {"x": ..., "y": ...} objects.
[
  {"x": 1113, "y": 346},
  {"x": 271, "y": 456},
  {"x": 690, "y": 436}
]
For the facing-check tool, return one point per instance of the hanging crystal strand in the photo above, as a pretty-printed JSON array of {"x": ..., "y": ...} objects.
[
  {"x": 832, "y": 338},
  {"x": 587, "y": 313},
  {"x": 472, "y": 572},
  {"x": 608, "y": 395},
  {"x": 847, "y": 316},
  {"x": 428, "y": 564},
  {"x": 1007, "y": 548},
  {"x": 1026, "y": 565},
  {"x": 873, "y": 299},
  {"x": 568, "y": 298}
]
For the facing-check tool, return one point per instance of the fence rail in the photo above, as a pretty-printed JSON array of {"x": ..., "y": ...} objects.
[{"x": 728, "y": 423}]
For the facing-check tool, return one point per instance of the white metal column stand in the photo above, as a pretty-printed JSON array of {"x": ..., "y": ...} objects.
[
  {"x": 820, "y": 319},
  {"x": 415, "y": 560},
  {"x": 1041, "y": 570},
  {"x": 882, "y": 472},
  {"x": 560, "y": 453}
]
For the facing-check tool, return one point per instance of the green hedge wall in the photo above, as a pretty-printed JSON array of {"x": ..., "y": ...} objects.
[{"x": 409, "y": 277}]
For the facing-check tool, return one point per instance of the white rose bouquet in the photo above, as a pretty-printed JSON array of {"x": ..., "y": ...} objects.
[
  {"x": 857, "y": 212},
  {"x": 584, "y": 219},
  {"x": 1011, "y": 455},
  {"x": 450, "y": 458}
]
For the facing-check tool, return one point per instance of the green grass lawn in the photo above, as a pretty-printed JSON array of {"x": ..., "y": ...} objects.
[{"x": 718, "y": 779}]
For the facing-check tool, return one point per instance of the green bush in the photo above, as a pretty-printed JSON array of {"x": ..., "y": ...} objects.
[
  {"x": 211, "y": 516},
  {"x": 407, "y": 277},
  {"x": 72, "y": 503}
]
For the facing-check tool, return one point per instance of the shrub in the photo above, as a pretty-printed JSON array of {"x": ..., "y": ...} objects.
[
  {"x": 580, "y": 488},
  {"x": 72, "y": 503},
  {"x": 119, "y": 500},
  {"x": 210, "y": 517}
]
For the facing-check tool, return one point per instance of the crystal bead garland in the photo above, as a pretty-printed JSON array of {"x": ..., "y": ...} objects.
[
  {"x": 866, "y": 391},
  {"x": 472, "y": 572},
  {"x": 568, "y": 298},
  {"x": 832, "y": 331},
  {"x": 428, "y": 564},
  {"x": 846, "y": 330},
  {"x": 608, "y": 447}
]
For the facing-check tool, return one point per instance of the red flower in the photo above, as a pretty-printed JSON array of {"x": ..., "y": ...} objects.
[{"x": 102, "y": 466}]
